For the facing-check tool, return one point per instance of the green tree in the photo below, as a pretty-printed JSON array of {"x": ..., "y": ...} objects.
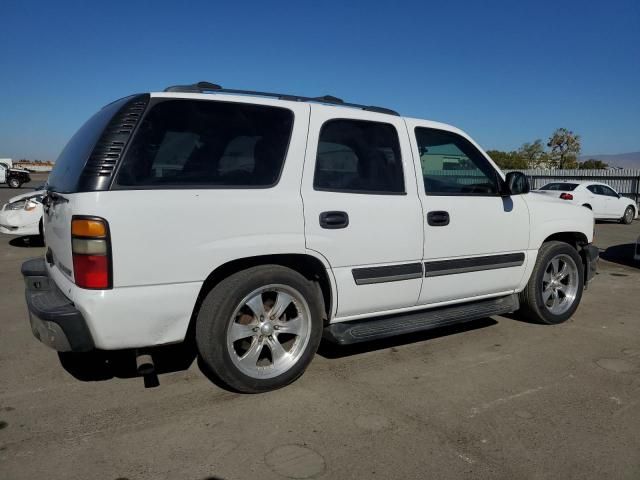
[
  {"x": 534, "y": 154},
  {"x": 565, "y": 148},
  {"x": 508, "y": 160},
  {"x": 592, "y": 164}
]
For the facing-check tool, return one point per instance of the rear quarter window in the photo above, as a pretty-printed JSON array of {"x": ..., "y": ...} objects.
[{"x": 207, "y": 144}]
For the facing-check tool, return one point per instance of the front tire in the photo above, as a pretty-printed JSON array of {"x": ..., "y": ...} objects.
[
  {"x": 258, "y": 329},
  {"x": 555, "y": 287},
  {"x": 14, "y": 183},
  {"x": 627, "y": 218}
]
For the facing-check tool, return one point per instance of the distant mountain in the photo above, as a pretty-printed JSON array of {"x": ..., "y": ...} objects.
[{"x": 620, "y": 160}]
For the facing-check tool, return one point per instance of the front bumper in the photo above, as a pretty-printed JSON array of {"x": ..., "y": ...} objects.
[
  {"x": 55, "y": 321},
  {"x": 19, "y": 222},
  {"x": 591, "y": 256}
]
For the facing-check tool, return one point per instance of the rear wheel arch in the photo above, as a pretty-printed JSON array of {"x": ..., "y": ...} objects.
[{"x": 309, "y": 266}]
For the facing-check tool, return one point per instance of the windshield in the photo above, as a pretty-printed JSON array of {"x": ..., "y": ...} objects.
[{"x": 563, "y": 187}]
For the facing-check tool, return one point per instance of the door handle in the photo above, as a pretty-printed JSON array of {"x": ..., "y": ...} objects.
[
  {"x": 438, "y": 218},
  {"x": 334, "y": 220}
]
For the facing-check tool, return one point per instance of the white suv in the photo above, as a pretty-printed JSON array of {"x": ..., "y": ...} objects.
[{"x": 261, "y": 223}]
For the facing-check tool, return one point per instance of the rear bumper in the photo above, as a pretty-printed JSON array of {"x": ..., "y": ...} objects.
[
  {"x": 592, "y": 255},
  {"x": 55, "y": 320}
]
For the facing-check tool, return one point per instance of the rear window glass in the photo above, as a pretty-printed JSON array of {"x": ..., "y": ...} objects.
[
  {"x": 563, "y": 187},
  {"x": 70, "y": 164},
  {"x": 211, "y": 144}
]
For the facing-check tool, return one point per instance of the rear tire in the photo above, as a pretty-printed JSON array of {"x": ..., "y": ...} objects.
[
  {"x": 627, "y": 218},
  {"x": 555, "y": 287},
  {"x": 258, "y": 329}
]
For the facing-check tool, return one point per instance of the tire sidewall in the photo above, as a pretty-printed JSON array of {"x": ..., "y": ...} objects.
[
  {"x": 624, "y": 217},
  {"x": 558, "y": 249},
  {"x": 215, "y": 316}
]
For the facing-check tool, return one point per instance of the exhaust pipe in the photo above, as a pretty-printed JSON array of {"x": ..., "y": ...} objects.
[{"x": 144, "y": 363}]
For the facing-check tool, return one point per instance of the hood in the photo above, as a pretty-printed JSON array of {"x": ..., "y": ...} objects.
[{"x": 25, "y": 196}]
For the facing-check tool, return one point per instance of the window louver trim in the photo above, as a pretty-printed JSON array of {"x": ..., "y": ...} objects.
[{"x": 109, "y": 149}]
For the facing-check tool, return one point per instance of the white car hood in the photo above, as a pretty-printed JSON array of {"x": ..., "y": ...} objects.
[{"x": 27, "y": 195}]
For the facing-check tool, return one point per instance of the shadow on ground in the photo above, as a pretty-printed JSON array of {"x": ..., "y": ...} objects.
[
  {"x": 27, "y": 241},
  {"x": 102, "y": 365},
  {"x": 621, "y": 254}
]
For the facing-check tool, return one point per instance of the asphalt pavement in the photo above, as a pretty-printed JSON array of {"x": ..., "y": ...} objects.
[{"x": 497, "y": 399}]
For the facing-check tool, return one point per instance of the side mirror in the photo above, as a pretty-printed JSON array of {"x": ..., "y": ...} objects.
[{"x": 517, "y": 183}]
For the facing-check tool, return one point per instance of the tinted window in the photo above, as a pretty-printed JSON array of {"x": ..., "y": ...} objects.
[
  {"x": 563, "y": 187},
  {"x": 451, "y": 165},
  {"x": 359, "y": 156},
  {"x": 203, "y": 143},
  {"x": 69, "y": 165},
  {"x": 602, "y": 190}
]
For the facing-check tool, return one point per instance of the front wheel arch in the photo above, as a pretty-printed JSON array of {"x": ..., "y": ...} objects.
[{"x": 531, "y": 300}]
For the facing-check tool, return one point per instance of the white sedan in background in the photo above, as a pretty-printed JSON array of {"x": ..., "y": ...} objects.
[
  {"x": 606, "y": 203},
  {"x": 23, "y": 214}
]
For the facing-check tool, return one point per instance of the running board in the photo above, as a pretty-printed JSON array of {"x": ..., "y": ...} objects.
[{"x": 356, "y": 331}]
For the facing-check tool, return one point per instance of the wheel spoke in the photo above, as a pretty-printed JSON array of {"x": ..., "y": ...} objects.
[
  {"x": 554, "y": 299},
  {"x": 251, "y": 356},
  {"x": 283, "y": 300},
  {"x": 564, "y": 271},
  {"x": 293, "y": 326},
  {"x": 555, "y": 265},
  {"x": 546, "y": 294},
  {"x": 546, "y": 278},
  {"x": 257, "y": 306},
  {"x": 239, "y": 331},
  {"x": 278, "y": 353}
]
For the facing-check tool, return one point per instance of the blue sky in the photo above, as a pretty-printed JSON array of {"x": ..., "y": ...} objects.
[{"x": 507, "y": 72}]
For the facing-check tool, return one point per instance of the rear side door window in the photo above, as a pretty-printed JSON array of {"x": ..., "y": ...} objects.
[
  {"x": 359, "y": 156},
  {"x": 206, "y": 144},
  {"x": 452, "y": 165}
]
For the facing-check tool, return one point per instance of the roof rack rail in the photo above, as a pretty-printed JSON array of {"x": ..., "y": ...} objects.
[{"x": 203, "y": 87}]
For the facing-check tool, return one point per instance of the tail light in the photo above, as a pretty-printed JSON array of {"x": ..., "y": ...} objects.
[
  {"x": 566, "y": 196},
  {"x": 91, "y": 248}
]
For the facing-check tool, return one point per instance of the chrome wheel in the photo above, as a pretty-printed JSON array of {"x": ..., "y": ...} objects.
[
  {"x": 560, "y": 283},
  {"x": 628, "y": 215},
  {"x": 269, "y": 331}
]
